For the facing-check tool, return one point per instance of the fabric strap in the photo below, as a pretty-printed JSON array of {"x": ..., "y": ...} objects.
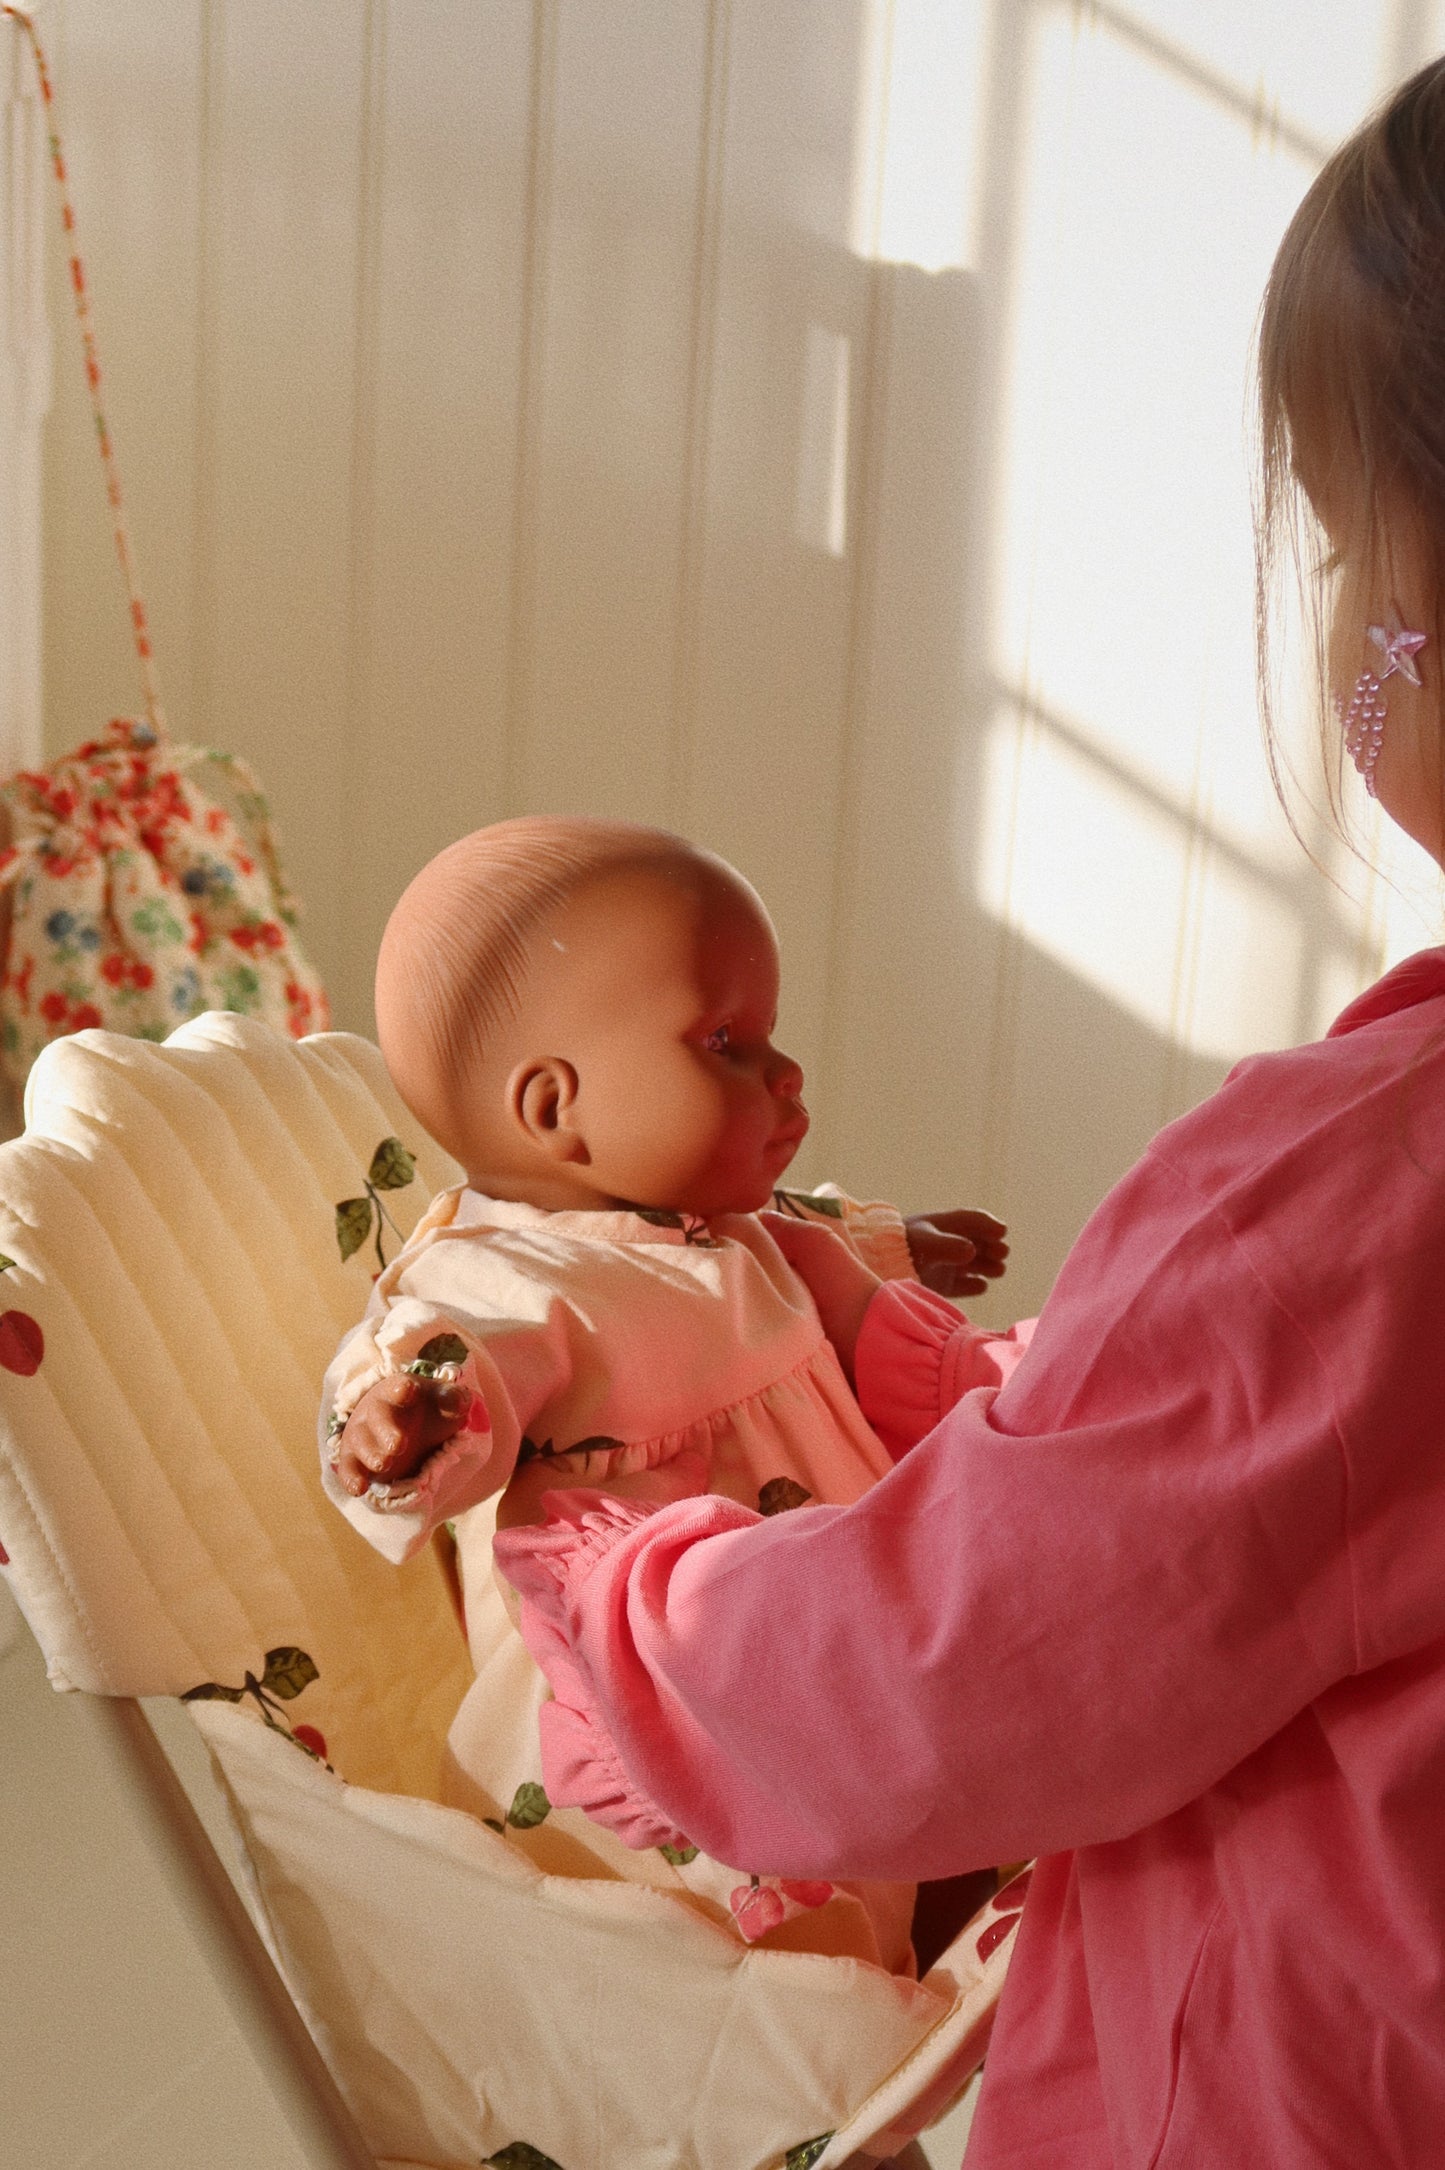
[{"x": 140, "y": 627}]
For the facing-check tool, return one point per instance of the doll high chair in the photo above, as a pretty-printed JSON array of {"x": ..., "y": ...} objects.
[{"x": 186, "y": 1231}]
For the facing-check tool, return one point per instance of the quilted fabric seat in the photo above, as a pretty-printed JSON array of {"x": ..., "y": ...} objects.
[{"x": 186, "y": 1231}]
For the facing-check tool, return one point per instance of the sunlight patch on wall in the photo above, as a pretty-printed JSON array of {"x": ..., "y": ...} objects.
[
  {"x": 821, "y": 511},
  {"x": 1096, "y": 874},
  {"x": 918, "y": 131},
  {"x": 1130, "y": 829}
]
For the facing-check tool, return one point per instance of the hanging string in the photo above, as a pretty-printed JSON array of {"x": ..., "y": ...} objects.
[{"x": 140, "y": 628}]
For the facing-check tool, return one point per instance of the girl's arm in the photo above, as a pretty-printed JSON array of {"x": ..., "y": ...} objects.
[{"x": 1067, "y": 1612}]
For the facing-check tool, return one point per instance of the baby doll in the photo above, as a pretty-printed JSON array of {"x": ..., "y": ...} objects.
[{"x": 582, "y": 1014}]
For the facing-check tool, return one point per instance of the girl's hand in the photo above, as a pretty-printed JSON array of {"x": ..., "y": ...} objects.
[
  {"x": 840, "y": 1285},
  {"x": 957, "y": 1253},
  {"x": 396, "y": 1424}
]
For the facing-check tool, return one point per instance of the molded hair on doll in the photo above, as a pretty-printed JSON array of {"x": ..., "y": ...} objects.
[{"x": 582, "y": 1013}]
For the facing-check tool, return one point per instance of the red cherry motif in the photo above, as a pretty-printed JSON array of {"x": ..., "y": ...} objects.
[
  {"x": 805, "y": 1893},
  {"x": 476, "y": 1418},
  {"x": 757, "y": 1908},
  {"x": 994, "y": 1934},
  {"x": 1016, "y": 1890},
  {"x": 4, "y": 1557},
  {"x": 311, "y": 1737},
  {"x": 22, "y": 1345}
]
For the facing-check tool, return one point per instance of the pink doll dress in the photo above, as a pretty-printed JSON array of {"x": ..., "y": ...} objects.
[{"x": 617, "y": 1340}]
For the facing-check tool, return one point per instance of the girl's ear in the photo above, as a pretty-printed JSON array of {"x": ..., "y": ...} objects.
[{"x": 542, "y": 1102}]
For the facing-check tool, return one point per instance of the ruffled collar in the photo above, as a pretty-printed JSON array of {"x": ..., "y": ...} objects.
[{"x": 474, "y": 1209}]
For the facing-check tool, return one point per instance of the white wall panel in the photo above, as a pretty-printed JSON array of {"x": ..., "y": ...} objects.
[
  {"x": 817, "y": 427},
  {"x": 618, "y": 216},
  {"x": 445, "y": 256}
]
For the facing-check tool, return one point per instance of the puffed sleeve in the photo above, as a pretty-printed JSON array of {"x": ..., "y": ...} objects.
[
  {"x": 873, "y": 1230},
  {"x": 1077, "y": 1603},
  {"x": 918, "y": 1354},
  {"x": 507, "y": 1341}
]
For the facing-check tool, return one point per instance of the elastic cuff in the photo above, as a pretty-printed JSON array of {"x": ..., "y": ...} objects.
[{"x": 899, "y": 1361}]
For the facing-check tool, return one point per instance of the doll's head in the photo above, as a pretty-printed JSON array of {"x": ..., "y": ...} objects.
[
  {"x": 582, "y": 1013},
  {"x": 1352, "y": 431}
]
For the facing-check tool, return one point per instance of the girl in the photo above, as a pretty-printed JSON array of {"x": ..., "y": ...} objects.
[{"x": 1172, "y": 1615}]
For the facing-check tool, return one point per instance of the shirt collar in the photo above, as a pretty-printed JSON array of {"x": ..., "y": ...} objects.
[{"x": 1418, "y": 979}]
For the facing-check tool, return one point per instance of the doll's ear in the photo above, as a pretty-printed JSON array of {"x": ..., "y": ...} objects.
[{"x": 541, "y": 1100}]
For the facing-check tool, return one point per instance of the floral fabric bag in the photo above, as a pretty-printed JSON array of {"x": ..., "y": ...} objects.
[
  {"x": 144, "y": 888},
  {"x": 139, "y": 879}
]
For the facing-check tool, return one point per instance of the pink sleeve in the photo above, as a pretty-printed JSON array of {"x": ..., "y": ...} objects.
[
  {"x": 569, "y": 1575},
  {"x": 1068, "y": 1610},
  {"x": 917, "y": 1355}
]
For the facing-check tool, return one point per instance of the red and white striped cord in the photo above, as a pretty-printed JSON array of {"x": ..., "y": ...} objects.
[{"x": 140, "y": 628}]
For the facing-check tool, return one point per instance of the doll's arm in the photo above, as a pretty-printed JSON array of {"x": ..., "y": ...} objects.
[
  {"x": 957, "y": 1251},
  {"x": 908, "y": 1354},
  {"x": 470, "y": 1377}
]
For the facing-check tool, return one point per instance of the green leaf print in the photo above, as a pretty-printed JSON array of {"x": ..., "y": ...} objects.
[
  {"x": 806, "y": 2153},
  {"x": 240, "y": 989},
  {"x": 780, "y": 1494},
  {"x": 530, "y": 1806},
  {"x": 521, "y": 2155},
  {"x": 288, "y": 1671},
  {"x": 353, "y": 1225},
  {"x": 658, "y": 1217},
  {"x": 442, "y": 1349},
  {"x": 5, "y": 1263},
  {"x": 802, "y": 1203},
  {"x": 392, "y": 1166},
  {"x": 156, "y": 919},
  {"x": 679, "y": 1856}
]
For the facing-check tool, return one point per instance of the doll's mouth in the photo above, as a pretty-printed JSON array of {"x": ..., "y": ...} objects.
[{"x": 789, "y": 1137}]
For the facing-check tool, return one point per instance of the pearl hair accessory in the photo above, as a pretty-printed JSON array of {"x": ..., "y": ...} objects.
[{"x": 1364, "y": 719}]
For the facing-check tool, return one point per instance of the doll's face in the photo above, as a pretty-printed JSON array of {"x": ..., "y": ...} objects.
[{"x": 641, "y": 1070}]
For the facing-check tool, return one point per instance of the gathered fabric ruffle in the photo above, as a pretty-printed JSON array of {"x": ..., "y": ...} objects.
[
  {"x": 918, "y": 1354},
  {"x": 571, "y": 1576}
]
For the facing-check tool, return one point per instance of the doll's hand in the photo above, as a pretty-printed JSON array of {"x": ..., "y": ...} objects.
[
  {"x": 394, "y": 1427},
  {"x": 957, "y": 1253},
  {"x": 839, "y": 1283}
]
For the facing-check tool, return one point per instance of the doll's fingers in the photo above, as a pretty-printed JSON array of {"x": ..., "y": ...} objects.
[
  {"x": 947, "y": 1279},
  {"x": 443, "y": 1414},
  {"x": 350, "y": 1474},
  {"x": 984, "y": 1229},
  {"x": 934, "y": 1253}
]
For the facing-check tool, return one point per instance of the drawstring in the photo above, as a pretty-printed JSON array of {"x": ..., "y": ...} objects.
[{"x": 140, "y": 630}]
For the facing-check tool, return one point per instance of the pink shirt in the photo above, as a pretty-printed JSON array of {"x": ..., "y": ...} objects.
[{"x": 1167, "y": 1610}]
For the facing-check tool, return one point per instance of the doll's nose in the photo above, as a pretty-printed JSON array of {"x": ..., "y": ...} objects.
[{"x": 785, "y": 1078}]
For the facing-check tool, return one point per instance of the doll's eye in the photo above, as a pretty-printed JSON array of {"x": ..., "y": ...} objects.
[{"x": 719, "y": 1040}]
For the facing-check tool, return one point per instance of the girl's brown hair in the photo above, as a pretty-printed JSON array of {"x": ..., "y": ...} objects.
[{"x": 1351, "y": 374}]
